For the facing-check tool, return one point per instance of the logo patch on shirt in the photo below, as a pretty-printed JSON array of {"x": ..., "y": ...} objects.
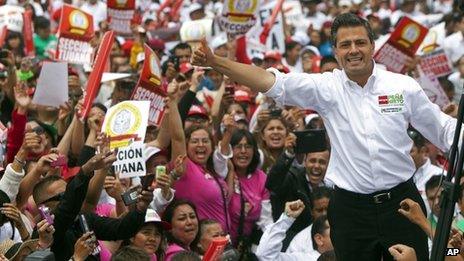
[{"x": 391, "y": 103}]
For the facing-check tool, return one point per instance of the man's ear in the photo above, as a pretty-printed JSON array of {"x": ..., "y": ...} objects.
[{"x": 318, "y": 240}]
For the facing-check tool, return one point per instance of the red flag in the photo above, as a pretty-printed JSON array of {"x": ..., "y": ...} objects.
[
  {"x": 29, "y": 48},
  {"x": 3, "y": 35},
  {"x": 93, "y": 84}
]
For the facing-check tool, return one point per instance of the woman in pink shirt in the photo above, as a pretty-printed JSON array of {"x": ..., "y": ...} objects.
[
  {"x": 182, "y": 216},
  {"x": 196, "y": 179},
  {"x": 248, "y": 183}
]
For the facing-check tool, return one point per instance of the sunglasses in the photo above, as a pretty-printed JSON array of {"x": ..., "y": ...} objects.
[
  {"x": 57, "y": 197},
  {"x": 38, "y": 130}
]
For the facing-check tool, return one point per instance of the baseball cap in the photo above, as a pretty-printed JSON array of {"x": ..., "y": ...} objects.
[
  {"x": 219, "y": 41},
  {"x": 152, "y": 217},
  {"x": 242, "y": 96},
  {"x": 156, "y": 44},
  {"x": 273, "y": 55},
  {"x": 197, "y": 110},
  {"x": 195, "y": 7},
  {"x": 10, "y": 249},
  {"x": 310, "y": 48},
  {"x": 185, "y": 67}
]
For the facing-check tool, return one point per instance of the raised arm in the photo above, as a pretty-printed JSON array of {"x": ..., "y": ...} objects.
[
  {"x": 256, "y": 78},
  {"x": 175, "y": 124}
]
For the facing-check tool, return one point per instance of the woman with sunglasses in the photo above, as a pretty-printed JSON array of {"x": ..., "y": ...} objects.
[{"x": 247, "y": 181}]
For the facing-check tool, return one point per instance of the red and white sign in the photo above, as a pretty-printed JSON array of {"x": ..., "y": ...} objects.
[
  {"x": 436, "y": 63},
  {"x": 93, "y": 83},
  {"x": 29, "y": 49},
  {"x": 215, "y": 249},
  {"x": 120, "y": 15},
  {"x": 149, "y": 87},
  {"x": 75, "y": 32},
  {"x": 238, "y": 16},
  {"x": 403, "y": 43}
]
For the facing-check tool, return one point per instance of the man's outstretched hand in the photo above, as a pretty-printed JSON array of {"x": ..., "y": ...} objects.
[{"x": 203, "y": 56}]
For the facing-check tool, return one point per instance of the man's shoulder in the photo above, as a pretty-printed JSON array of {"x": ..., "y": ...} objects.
[{"x": 397, "y": 81}]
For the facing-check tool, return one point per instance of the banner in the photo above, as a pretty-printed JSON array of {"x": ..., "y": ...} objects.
[
  {"x": 149, "y": 87},
  {"x": 126, "y": 123},
  {"x": 12, "y": 17},
  {"x": 52, "y": 85},
  {"x": 75, "y": 32},
  {"x": 196, "y": 30},
  {"x": 434, "y": 39},
  {"x": 436, "y": 63},
  {"x": 403, "y": 43},
  {"x": 120, "y": 15},
  {"x": 276, "y": 38},
  {"x": 29, "y": 48},
  {"x": 93, "y": 83},
  {"x": 238, "y": 16},
  {"x": 293, "y": 13}
]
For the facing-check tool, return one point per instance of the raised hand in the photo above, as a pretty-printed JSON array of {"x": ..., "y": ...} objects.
[
  {"x": 144, "y": 199},
  {"x": 113, "y": 187},
  {"x": 99, "y": 161},
  {"x": 22, "y": 99},
  {"x": 203, "y": 56},
  {"x": 43, "y": 165},
  {"x": 290, "y": 143},
  {"x": 46, "y": 231},
  {"x": 229, "y": 123},
  {"x": 164, "y": 182},
  {"x": 294, "y": 208},
  {"x": 83, "y": 247}
]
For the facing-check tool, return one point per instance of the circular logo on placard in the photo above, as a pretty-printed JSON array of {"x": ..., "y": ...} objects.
[
  {"x": 154, "y": 68},
  {"x": 410, "y": 33},
  {"x": 78, "y": 19},
  {"x": 125, "y": 119},
  {"x": 247, "y": 7}
]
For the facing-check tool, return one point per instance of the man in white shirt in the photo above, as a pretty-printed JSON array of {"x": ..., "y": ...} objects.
[
  {"x": 97, "y": 9},
  {"x": 424, "y": 168},
  {"x": 454, "y": 43},
  {"x": 366, "y": 112},
  {"x": 271, "y": 241}
]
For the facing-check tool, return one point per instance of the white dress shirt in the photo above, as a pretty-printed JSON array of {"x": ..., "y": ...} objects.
[
  {"x": 367, "y": 126},
  {"x": 454, "y": 46},
  {"x": 271, "y": 243},
  {"x": 302, "y": 242}
]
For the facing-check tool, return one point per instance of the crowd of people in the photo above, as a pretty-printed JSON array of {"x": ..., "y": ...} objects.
[{"x": 228, "y": 139}]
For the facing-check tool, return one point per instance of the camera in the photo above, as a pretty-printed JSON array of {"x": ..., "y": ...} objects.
[
  {"x": 174, "y": 60},
  {"x": 45, "y": 213},
  {"x": 310, "y": 141},
  {"x": 275, "y": 112},
  {"x": 130, "y": 197},
  {"x": 61, "y": 161}
]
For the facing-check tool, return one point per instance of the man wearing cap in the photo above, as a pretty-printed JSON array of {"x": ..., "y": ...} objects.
[
  {"x": 197, "y": 115},
  {"x": 366, "y": 111}
]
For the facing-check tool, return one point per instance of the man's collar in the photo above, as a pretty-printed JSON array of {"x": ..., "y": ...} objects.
[{"x": 372, "y": 77}]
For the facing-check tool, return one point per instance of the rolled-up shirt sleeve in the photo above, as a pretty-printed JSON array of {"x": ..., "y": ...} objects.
[
  {"x": 309, "y": 91},
  {"x": 220, "y": 161}
]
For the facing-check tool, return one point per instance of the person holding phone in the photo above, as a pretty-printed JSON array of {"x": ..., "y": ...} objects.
[{"x": 366, "y": 112}]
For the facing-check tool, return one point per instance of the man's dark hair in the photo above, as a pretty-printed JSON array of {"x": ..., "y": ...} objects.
[
  {"x": 130, "y": 253},
  {"x": 320, "y": 192},
  {"x": 126, "y": 84},
  {"x": 350, "y": 20},
  {"x": 417, "y": 138},
  {"x": 319, "y": 227},
  {"x": 433, "y": 182},
  {"x": 41, "y": 22},
  {"x": 42, "y": 186},
  {"x": 327, "y": 256},
  {"x": 186, "y": 256},
  {"x": 328, "y": 59},
  {"x": 181, "y": 46},
  {"x": 290, "y": 45}
]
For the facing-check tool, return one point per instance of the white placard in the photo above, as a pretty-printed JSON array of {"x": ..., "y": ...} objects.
[
  {"x": 126, "y": 123},
  {"x": 52, "y": 85},
  {"x": 130, "y": 161},
  {"x": 12, "y": 17}
]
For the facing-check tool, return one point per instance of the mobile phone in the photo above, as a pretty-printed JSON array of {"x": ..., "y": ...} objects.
[
  {"x": 61, "y": 161},
  {"x": 130, "y": 197},
  {"x": 83, "y": 223},
  {"x": 229, "y": 90},
  {"x": 111, "y": 172},
  {"x": 175, "y": 60},
  {"x": 310, "y": 141},
  {"x": 45, "y": 213},
  {"x": 275, "y": 112},
  {"x": 147, "y": 180},
  {"x": 3, "y": 54}
]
